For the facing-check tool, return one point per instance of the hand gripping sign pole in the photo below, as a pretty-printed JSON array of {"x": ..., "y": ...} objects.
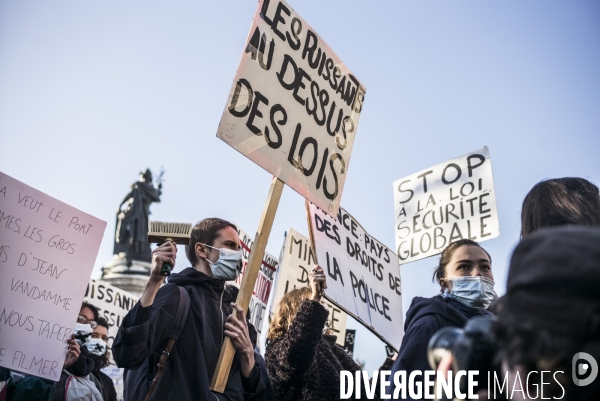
[{"x": 221, "y": 374}]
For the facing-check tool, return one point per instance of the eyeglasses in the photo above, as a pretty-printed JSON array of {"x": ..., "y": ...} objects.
[{"x": 84, "y": 320}]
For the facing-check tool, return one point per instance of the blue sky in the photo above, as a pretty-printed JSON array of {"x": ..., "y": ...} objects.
[{"x": 91, "y": 93}]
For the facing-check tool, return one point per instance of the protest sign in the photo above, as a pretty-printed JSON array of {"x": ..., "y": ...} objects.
[
  {"x": 113, "y": 304},
  {"x": 296, "y": 262},
  {"x": 264, "y": 282},
  {"x": 389, "y": 351},
  {"x": 349, "y": 342},
  {"x": 294, "y": 106},
  {"x": 47, "y": 253},
  {"x": 445, "y": 203},
  {"x": 363, "y": 276}
]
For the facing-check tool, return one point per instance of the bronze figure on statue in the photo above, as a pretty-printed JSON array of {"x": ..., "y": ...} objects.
[{"x": 132, "y": 218}]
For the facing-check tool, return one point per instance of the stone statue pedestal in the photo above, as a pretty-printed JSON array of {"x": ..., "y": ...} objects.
[{"x": 128, "y": 275}]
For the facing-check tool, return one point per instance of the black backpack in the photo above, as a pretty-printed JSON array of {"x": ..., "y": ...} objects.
[{"x": 137, "y": 385}]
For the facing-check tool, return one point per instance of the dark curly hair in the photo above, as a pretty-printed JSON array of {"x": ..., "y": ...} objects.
[{"x": 91, "y": 307}]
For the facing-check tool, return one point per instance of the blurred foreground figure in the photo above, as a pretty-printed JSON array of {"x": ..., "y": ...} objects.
[{"x": 551, "y": 313}]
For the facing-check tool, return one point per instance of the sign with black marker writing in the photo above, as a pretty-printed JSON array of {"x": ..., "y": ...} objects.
[
  {"x": 113, "y": 304},
  {"x": 445, "y": 203},
  {"x": 264, "y": 282},
  {"x": 293, "y": 107},
  {"x": 47, "y": 253},
  {"x": 296, "y": 262},
  {"x": 349, "y": 342},
  {"x": 363, "y": 276}
]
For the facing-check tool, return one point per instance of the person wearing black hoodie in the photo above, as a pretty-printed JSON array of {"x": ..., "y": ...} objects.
[
  {"x": 466, "y": 281},
  {"x": 214, "y": 251}
]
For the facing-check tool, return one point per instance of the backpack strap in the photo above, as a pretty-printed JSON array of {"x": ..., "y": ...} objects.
[{"x": 183, "y": 307}]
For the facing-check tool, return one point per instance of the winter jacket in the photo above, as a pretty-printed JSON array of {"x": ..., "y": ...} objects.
[
  {"x": 423, "y": 319},
  {"x": 107, "y": 387},
  {"x": 82, "y": 367},
  {"x": 304, "y": 363},
  {"x": 143, "y": 336}
]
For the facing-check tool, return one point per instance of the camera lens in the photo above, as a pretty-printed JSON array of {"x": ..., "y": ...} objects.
[{"x": 441, "y": 344}]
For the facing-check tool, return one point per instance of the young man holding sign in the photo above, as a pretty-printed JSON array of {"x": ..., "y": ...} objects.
[{"x": 214, "y": 252}]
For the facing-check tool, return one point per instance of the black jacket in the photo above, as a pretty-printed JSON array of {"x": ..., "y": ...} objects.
[
  {"x": 107, "y": 387},
  {"x": 305, "y": 364},
  {"x": 143, "y": 336},
  {"x": 423, "y": 319}
]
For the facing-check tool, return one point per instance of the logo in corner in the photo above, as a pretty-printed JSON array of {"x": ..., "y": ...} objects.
[{"x": 584, "y": 368}]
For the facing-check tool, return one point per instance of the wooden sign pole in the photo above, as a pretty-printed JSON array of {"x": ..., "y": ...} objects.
[
  {"x": 310, "y": 232},
  {"x": 221, "y": 374}
]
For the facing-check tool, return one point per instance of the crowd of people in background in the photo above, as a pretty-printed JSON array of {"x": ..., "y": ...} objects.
[{"x": 169, "y": 343}]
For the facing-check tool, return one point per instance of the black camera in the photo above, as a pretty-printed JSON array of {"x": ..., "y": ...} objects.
[{"x": 472, "y": 347}]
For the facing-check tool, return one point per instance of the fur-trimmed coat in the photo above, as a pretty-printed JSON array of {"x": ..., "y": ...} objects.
[{"x": 305, "y": 364}]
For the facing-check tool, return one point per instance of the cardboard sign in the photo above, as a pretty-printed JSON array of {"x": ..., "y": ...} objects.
[
  {"x": 296, "y": 262},
  {"x": 113, "y": 304},
  {"x": 445, "y": 203},
  {"x": 47, "y": 253},
  {"x": 264, "y": 282},
  {"x": 349, "y": 342},
  {"x": 294, "y": 107},
  {"x": 363, "y": 276}
]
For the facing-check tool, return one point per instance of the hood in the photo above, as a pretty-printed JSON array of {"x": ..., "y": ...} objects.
[
  {"x": 433, "y": 306},
  {"x": 191, "y": 276},
  {"x": 211, "y": 286}
]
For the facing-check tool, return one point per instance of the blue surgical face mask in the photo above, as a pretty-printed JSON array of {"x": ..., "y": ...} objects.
[
  {"x": 476, "y": 292},
  {"x": 228, "y": 266}
]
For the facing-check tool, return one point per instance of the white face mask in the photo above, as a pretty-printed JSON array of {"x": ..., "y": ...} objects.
[
  {"x": 476, "y": 292},
  {"x": 82, "y": 331},
  {"x": 96, "y": 346},
  {"x": 228, "y": 266}
]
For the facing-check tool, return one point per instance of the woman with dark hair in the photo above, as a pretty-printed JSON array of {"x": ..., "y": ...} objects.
[
  {"x": 467, "y": 289},
  {"x": 303, "y": 360},
  {"x": 559, "y": 202},
  {"x": 97, "y": 346}
]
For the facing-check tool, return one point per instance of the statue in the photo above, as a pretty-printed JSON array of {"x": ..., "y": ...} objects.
[{"x": 132, "y": 218}]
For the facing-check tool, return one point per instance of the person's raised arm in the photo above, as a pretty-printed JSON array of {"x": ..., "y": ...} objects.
[
  {"x": 150, "y": 320},
  {"x": 161, "y": 254},
  {"x": 294, "y": 353}
]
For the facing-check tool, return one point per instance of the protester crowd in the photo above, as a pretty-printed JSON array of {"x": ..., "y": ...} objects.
[{"x": 169, "y": 343}]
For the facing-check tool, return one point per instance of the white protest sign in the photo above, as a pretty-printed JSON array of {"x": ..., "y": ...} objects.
[
  {"x": 113, "y": 304},
  {"x": 294, "y": 107},
  {"x": 363, "y": 276},
  {"x": 264, "y": 282},
  {"x": 47, "y": 253},
  {"x": 445, "y": 203},
  {"x": 296, "y": 262}
]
